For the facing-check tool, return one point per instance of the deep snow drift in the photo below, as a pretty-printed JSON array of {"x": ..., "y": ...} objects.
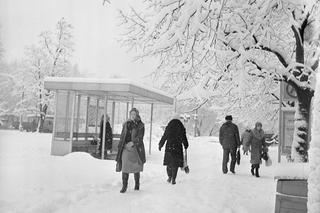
[{"x": 33, "y": 181}]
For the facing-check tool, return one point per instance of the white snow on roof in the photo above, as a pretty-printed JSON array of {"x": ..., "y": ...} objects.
[{"x": 105, "y": 81}]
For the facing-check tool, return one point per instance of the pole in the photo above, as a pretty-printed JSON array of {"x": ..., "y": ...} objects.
[
  {"x": 113, "y": 113},
  {"x": 97, "y": 116},
  {"x": 280, "y": 123},
  {"x": 132, "y": 102},
  {"x": 54, "y": 132},
  {"x": 127, "y": 115},
  {"x": 104, "y": 125},
  {"x": 72, "y": 120},
  {"x": 78, "y": 115},
  {"x": 151, "y": 120},
  {"x": 195, "y": 123},
  {"x": 66, "y": 116},
  {"x": 87, "y": 117}
]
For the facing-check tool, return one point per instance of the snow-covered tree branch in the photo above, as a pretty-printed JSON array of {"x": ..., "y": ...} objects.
[{"x": 273, "y": 40}]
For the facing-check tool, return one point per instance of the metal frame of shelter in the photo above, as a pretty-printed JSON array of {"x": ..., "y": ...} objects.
[{"x": 73, "y": 104}]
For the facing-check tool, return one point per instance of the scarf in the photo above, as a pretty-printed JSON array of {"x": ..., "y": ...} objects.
[{"x": 258, "y": 134}]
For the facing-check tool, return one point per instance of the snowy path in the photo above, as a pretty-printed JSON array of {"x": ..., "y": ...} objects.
[{"x": 33, "y": 181}]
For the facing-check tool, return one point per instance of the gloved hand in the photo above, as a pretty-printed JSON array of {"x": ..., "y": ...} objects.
[
  {"x": 130, "y": 144},
  {"x": 160, "y": 148}
]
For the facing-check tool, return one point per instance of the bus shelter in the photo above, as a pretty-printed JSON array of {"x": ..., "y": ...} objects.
[{"x": 80, "y": 103}]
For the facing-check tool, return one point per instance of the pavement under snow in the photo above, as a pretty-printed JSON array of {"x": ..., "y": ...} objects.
[{"x": 31, "y": 180}]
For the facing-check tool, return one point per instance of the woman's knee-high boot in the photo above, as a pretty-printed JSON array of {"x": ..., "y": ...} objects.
[
  {"x": 174, "y": 174},
  {"x": 125, "y": 177},
  {"x": 137, "y": 181},
  {"x": 257, "y": 170},
  {"x": 169, "y": 173},
  {"x": 252, "y": 169}
]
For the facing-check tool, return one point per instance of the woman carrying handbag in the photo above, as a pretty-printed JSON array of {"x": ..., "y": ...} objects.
[{"x": 174, "y": 137}]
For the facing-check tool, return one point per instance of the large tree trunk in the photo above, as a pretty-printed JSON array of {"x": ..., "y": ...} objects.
[
  {"x": 300, "y": 145},
  {"x": 314, "y": 153}
]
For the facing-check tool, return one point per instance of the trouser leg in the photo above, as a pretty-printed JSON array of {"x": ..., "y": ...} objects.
[
  {"x": 225, "y": 160},
  {"x": 233, "y": 153}
]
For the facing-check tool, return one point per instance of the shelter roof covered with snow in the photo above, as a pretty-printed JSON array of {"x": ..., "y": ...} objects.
[{"x": 122, "y": 90}]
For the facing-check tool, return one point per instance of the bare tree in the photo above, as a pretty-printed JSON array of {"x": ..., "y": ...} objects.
[{"x": 51, "y": 57}]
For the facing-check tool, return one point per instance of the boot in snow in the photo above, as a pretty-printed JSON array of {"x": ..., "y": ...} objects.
[
  {"x": 125, "y": 177},
  {"x": 169, "y": 173},
  {"x": 257, "y": 171},
  {"x": 137, "y": 181},
  {"x": 252, "y": 169},
  {"x": 174, "y": 175}
]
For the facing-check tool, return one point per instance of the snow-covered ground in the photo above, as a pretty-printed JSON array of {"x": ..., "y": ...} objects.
[{"x": 31, "y": 180}]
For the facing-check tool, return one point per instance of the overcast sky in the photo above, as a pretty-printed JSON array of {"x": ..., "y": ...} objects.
[{"x": 95, "y": 32}]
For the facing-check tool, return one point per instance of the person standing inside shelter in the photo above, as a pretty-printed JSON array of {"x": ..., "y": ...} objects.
[
  {"x": 108, "y": 137},
  {"x": 230, "y": 141},
  {"x": 131, "y": 152},
  {"x": 174, "y": 137}
]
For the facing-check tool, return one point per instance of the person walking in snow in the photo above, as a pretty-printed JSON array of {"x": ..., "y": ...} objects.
[
  {"x": 131, "y": 152},
  {"x": 245, "y": 137},
  {"x": 230, "y": 141},
  {"x": 174, "y": 137},
  {"x": 108, "y": 136},
  {"x": 258, "y": 145}
]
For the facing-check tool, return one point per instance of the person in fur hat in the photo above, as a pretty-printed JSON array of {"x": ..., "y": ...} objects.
[
  {"x": 257, "y": 144},
  {"x": 174, "y": 137},
  {"x": 131, "y": 152}
]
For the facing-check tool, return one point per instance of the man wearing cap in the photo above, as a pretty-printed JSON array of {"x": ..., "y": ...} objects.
[{"x": 230, "y": 141}]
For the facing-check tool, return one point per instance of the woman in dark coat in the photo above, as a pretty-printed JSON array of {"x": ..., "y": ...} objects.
[
  {"x": 108, "y": 136},
  {"x": 174, "y": 136},
  {"x": 131, "y": 152},
  {"x": 257, "y": 144}
]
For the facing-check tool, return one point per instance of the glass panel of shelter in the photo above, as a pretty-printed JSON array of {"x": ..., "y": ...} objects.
[{"x": 87, "y": 112}]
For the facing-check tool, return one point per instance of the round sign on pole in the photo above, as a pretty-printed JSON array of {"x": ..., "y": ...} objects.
[{"x": 291, "y": 92}]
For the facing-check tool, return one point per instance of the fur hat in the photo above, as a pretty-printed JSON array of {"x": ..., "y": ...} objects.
[
  {"x": 258, "y": 124},
  {"x": 229, "y": 118},
  {"x": 135, "y": 110}
]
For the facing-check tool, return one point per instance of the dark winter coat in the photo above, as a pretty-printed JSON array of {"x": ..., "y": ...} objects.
[
  {"x": 257, "y": 144},
  {"x": 108, "y": 138},
  {"x": 137, "y": 134},
  {"x": 174, "y": 136},
  {"x": 229, "y": 136}
]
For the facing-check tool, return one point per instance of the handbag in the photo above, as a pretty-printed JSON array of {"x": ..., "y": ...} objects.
[
  {"x": 238, "y": 157},
  {"x": 265, "y": 156},
  {"x": 118, "y": 167},
  {"x": 185, "y": 162}
]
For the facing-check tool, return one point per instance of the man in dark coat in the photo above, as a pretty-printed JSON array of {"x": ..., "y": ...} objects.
[
  {"x": 174, "y": 136},
  {"x": 108, "y": 137},
  {"x": 230, "y": 140}
]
